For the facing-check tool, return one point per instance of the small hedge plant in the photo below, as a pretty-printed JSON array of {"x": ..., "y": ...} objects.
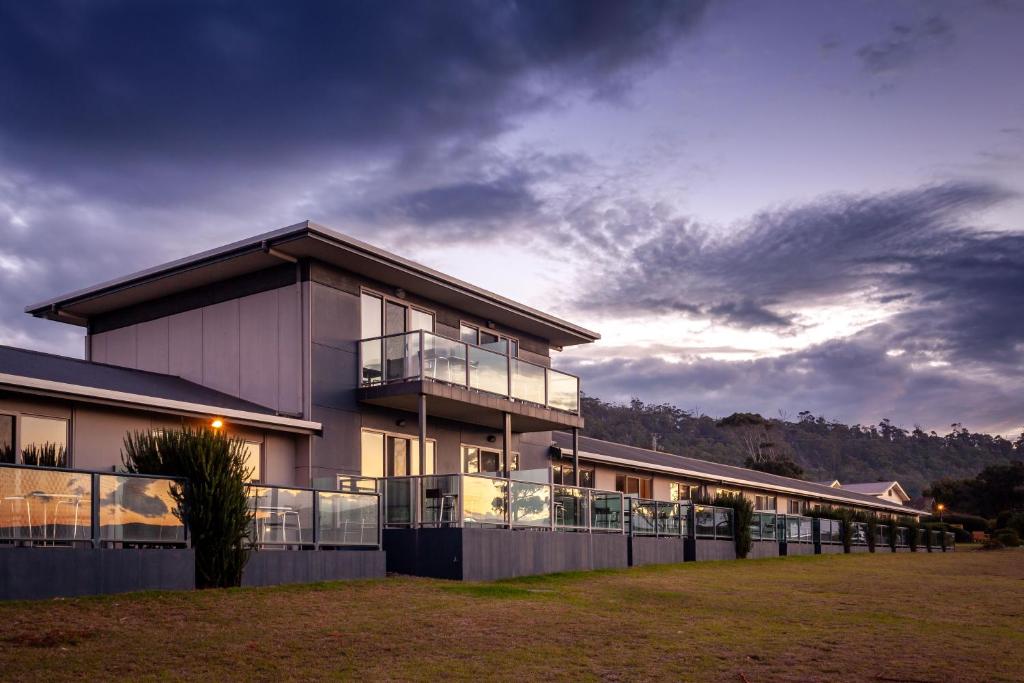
[
  {"x": 213, "y": 503},
  {"x": 743, "y": 517}
]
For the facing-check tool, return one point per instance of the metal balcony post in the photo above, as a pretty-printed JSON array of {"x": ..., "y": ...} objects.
[
  {"x": 551, "y": 505},
  {"x": 423, "y": 432},
  {"x": 508, "y": 372},
  {"x": 316, "y": 520},
  {"x": 576, "y": 456},
  {"x": 94, "y": 509}
]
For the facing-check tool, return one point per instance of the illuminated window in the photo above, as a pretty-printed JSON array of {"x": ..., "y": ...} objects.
[{"x": 44, "y": 441}]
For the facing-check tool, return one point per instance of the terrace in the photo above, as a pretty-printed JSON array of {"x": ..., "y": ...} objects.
[{"x": 466, "y": 382}]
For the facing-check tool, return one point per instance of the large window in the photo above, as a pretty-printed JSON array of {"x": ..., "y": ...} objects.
[
  {"x": 394, "y": 455},
  {"x": 471, "y": 334},
  {"x": 562, "y": 474},
  {"x": 766, "y": 503},
  {"x": 485, "y": 460},
  {"x": 680, "y": 491},
  {"x": 637, "y": 486},
  {"x": 253, "y": 460},
  {"x": 7, "y": 438},
  {"x": 797, "y": 507},
  {"x": 44, "y": 441},
  {"x": 380, "y": 315}
]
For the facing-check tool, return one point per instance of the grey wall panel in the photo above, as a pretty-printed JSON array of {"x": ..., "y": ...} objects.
[
  {"x": 97, "y": 348},
  {"x": 829, "y": 549},
  {"x": 334, "y": 382},
  {"x": 186, "y": 345},
  {"x": 761, "y": 549},
  {"x": 280, "y": 455},
  {"x": 122, "y": 347},
  {"x": 290, "y": 344},
  {"x": 153, "y": 341},
  {"x": 336, "y": 319},
  {"x": 707, "y": 549},
  {"x": 259, "y": 347},
  {"x": 39, "y": 573},
  {"x": 337, "y": 451},
  {"x": 277, "y": 567},
  {"x": 646, "y": 550},
  {"x": 221, "y": 358},
  {"x": 794, "y": 549}
]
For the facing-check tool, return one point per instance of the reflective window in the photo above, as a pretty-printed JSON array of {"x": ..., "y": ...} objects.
[
  {"x": 638, "y": 486},
  {"x": 414, "y": 450},
  {"x": 421, "y": 320},
  {"x": 467, "y": 334},
  {"x": 475, "y": 460},
  {"x": 253, "y": 451},
  {"x": 764, "y": 502},
  {"x": 394, "y": 318},
  {"x": 562, "y": 474},
  {"x": 398, "y": 457},
  {"x": 7, "y": 438},
  {"x": 372, "y": 446},
  {"x": 371, "y": 316},
  {"x": 44, "y": 441},
  {"x": 679, "y": 491}
]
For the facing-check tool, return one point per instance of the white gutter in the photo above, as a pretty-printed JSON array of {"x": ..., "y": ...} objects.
[
  {"x": 187, "y": 408},
  {"x": 746, "y": 483}
]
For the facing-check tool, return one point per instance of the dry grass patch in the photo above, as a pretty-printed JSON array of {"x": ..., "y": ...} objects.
[{"x": 912, "y": 617}]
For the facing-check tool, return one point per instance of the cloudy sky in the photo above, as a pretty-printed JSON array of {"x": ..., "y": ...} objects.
[{"x": 761, "y": 206}]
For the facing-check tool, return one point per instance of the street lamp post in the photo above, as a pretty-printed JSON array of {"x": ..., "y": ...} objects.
[{"x": 940, "y": 507}]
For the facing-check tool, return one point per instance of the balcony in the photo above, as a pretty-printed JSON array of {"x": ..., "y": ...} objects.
[{"x": 466, "y": 382}]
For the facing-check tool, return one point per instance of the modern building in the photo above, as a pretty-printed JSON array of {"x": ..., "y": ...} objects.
[{"x": 337, "y": 363}]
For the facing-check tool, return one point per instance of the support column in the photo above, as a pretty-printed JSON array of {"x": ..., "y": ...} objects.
[
  {"x": 575, "y": 456},
  {"x": 423, "y": 433},
  {"x": 506, "y": 445}
]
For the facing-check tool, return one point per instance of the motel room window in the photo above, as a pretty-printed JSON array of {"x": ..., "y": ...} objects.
[
  {"x": 44, "y": 441},
  {"x": 680, "y": 491},
  {"x": 562, "y": 474},
  {"x": 253, "y": 460},
  {"x": 794, "y": 507},
  {"x": 393, "y": 455},
  {"x": 492, "y": 341},
  {"x": 421, "y": 320},
  {"x": 477, "y": 460},
  {"x": 765, "y": 503},
  {"x": 637, "y": 486},
  {"x": 7, "y": 438},
  {"x": 371, "y": 315},
  {"x": 728, "y": 492}
]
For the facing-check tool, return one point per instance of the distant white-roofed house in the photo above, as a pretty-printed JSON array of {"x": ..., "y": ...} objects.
[{"x": 886, "y": 490}]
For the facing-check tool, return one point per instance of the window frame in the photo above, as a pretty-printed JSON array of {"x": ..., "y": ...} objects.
[
  {"x": 407, "y": 305},
  {"x": 677, "y": 485},
  {"x": 561, "y": 475},
  {"x": 14, "y": 436},
  {"x": 413, "y": 452},
  {"x": 19, "y": 429},
  {"x": 490, "y": 449},
  {"x": 481, "y": 328}
]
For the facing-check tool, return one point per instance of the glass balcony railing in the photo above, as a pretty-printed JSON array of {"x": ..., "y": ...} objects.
[
  {"x": 287, "y": 517},
  {"x": 422, "y": 355},
  {"x": 830, "y": 531},
  {"x": 48, "y": 506},
  {"x": 713, "y": 522},
  {"x": 763, "y": 526}
]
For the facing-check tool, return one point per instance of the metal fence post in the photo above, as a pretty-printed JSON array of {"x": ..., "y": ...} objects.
[
  {"x": 316, "y": 520},
  {"x": 94, "y": 512}
]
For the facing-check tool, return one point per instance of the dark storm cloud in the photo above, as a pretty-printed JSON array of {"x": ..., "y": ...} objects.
[
  {"x": 157, "y": 85},
  {"x": 904, "y": 44}
]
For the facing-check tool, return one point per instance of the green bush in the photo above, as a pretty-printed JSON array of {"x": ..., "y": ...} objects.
[
  {"x": 1016, "y": 522},
  {"x": 743, "y": 515},
  {"x": 894, "y": 530},
  {"x": 968, "y": 522},
  {"x": 213, "y": 503},
  {"x": 1008, "y": 537},
  {"x": 912, "y": 528},
  {"x": 844, "y": 515}
]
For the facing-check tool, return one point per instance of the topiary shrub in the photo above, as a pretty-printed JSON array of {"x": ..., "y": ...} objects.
[
  {"x": 912, "y": 530},
  {"x": 894, "y": 532},
  {"x": 213, "y": 503},
  {"x": 872, "y": 521},
  {"x": 742, "y": 516}
]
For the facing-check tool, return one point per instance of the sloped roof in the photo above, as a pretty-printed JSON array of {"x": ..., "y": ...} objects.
[
  {"x": 53, "y": 375},
  {"x": 643, "y": 458},
  {"x": 876, "y": 488}
]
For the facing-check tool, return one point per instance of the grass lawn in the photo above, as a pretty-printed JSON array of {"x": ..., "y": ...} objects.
[{"x": 946, "y": 618}]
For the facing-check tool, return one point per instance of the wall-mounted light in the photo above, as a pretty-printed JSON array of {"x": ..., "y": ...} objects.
[
  {"x": 400, "y": 293},
  {"x": 490, "y": 324},
  {"x": 216, "y": 423},
  {"x": 400, "y": 422},
  {"x": 491, "y": 438}
]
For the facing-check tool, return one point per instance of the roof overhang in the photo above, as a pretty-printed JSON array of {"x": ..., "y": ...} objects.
[
  {"x": 306, "y": 240},
  {"x": 745, "y": 483},
  {"x": 120, "y": 399}
]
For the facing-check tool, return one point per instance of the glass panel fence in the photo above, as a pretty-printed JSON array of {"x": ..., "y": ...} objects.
[
  {"x": 440, "y": 501},
  {"x": 606, "y": 511},
  {"x": 444, "y": 359},
  {"x": 527, "y": 381},
  {"x": 563, "y": 391},
  {"x": 641, "y": 517},
  {"x": 668, "y": 519},
  {"x": 282, "y": 516},
  {"x": 348, "y": 518},
  {"x": 371, "y": 352},
  {"x": 488, "y": 371},
  {"x": 723, "y": 522},
  {"x": 400, "y": 494},
  {"x": 531, "y": 504},
  {"x": 139, "y": 510},
  {"x": 704, "y": 521},
  {"x": 402, "y": 356},
  {"x": 860, "y": 533},
  {"x": 45, "y": 505},
  {"x": 570, "y": 507},
  {"x": 364, "y": 484},
  {"x": 485, "y": 500}
]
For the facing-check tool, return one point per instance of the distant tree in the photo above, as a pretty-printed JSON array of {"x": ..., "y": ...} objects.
[
  {"x": 996, "y": 489},
  {"x": 782, "y": 465}
]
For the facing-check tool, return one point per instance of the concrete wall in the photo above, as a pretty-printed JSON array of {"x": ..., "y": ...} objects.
[
  {"x": 249, "y": 347},
  {"x": 793, "y": 549},
  {"x": 829, "y": 549},
  {"x": 38, "y": 573},
  {"x": 277, "y": 567},
  {"x": 761, "y": 549},
  {"x": 644, "y": 550},
  {"x": 706, "y": 549}
]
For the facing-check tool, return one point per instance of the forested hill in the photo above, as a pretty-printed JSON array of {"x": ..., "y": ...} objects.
[{"x": 823, "y": 448}]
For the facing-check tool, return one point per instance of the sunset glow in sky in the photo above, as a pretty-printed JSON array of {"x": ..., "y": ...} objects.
[{"x": 761, "y": 206}]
